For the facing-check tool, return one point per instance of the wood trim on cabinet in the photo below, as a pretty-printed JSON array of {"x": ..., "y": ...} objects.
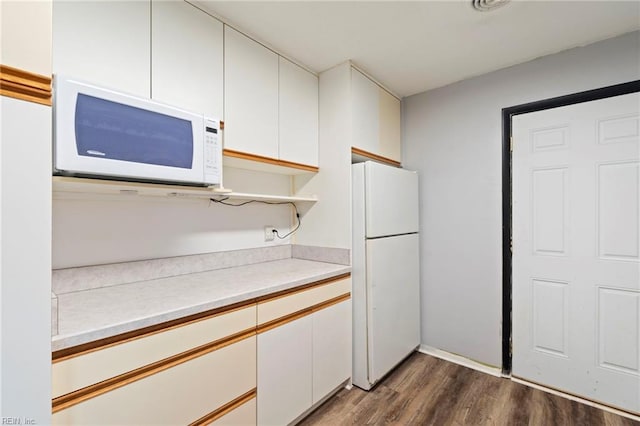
[
  {"x": 80, "y": 395},
  {"x": 371, "y": 155},
  {"x": 269, "y": 160},
  {"x": 226, "y": 409},
  {"x": 285, "y": 293},
  {"x": 25, "y": 85},
  {"x": 301, "y": 313},
  {"x": 67, "y": 353},
  {"x": 284, "y": 320},
  {"x": 323, "y": 305}
]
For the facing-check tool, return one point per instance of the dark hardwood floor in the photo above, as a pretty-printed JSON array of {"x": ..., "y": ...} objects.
[{"x": 429, "y": 391}]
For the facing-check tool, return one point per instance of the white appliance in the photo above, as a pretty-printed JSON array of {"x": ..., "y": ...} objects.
[
  {"x": 386, "y": 270},
  {"x": 99, "y": 132}
]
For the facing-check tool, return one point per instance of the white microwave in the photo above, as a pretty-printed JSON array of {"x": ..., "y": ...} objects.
[{"x": 102, "y": 133}]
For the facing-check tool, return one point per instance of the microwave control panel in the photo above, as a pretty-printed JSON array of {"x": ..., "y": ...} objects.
[{"x": 212, "y": 152}]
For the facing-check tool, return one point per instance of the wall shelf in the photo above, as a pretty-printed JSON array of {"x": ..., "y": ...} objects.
[{"x": 63, "y": 184}]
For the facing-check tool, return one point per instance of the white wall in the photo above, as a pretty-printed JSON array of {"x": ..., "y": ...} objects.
[
  {"x": 328, "y": 222},
  {"x": 452, "y": 136},
  {"x": 98, "y": 229}
]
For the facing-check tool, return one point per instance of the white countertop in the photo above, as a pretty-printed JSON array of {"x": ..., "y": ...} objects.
[{"x": 89, "y": 315}]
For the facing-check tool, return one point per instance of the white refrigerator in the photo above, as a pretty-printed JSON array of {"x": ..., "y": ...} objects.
[{"x": 386, "y": 270}]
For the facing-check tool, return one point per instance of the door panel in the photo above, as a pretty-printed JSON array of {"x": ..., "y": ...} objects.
[
  {"x": 391, "y": 200},
  {"x": 331, "y": 348},
  {"x": 250, "y": 95},
  {"x": 285, "y": 372},
  {"x": 393, "y": 305},
  {"x": 576, "y": 249},
  {"x": 618, "y": 229}
]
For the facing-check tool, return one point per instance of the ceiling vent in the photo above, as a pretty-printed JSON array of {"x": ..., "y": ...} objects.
[{"x": 487, "y": 5}]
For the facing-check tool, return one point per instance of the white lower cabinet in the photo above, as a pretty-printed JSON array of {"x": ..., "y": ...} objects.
[
  {"x": 268, "y": 363},
  {"x": 331, "y": 348},
  {"x": 301, "y": 361},
  {"x": 197, "y": 373},
  {"x": 180, "y": 394},
  {"x": 284, "y": 372},
  {"x": 241, "y": 416}
]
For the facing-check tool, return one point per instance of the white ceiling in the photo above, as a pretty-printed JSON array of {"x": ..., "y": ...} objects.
[{"x": 414, "y": 46}]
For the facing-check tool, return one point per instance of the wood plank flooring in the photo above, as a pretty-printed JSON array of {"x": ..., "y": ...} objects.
[{"x": 429, "y": 391}]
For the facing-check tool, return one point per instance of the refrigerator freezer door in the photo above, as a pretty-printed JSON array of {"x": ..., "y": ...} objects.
[
  {"x": 391, "y": 200},
  {"x": 393, "y": 301}
]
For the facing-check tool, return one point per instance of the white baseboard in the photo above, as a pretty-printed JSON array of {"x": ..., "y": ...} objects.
[
  {"x": 460, "y": 360},
  {"x": 577, "y": 399}
]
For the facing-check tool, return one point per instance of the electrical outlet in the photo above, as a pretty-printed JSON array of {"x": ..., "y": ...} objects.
[{"x": 268, "y": 233}]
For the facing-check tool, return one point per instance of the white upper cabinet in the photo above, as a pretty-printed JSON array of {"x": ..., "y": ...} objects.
[
  {"x": 251, "y": 96},
  {"x": 270, "y": 103},
  {"x": 364, "y": 112},
  {"x": 26, "y": 46},
  {"x": 389, "y": 125},
  {"x": 187, "y": 58},
  {"x": 298, "y": 114},
  {"x": 375, "y": 118},
  {"x": 104, "y": 42}
]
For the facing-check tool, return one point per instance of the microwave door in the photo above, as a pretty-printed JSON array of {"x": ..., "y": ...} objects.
[{"x": 106, "y": 134}]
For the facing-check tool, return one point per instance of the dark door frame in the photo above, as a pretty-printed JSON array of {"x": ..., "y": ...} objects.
[{"x": 507, "y": 113}]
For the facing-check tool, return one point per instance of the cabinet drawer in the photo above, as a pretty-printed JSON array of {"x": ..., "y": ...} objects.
[
  {"x": 180, "y": 394},
  {"x": 77, "y": 372},
  {"x": 271, "y": 309}
]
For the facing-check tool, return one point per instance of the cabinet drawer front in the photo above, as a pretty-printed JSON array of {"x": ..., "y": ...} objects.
[
  {"x": 177, "y": 395},
  {"x": 270, "y": 310},
  {"x": 84, "y": 370},
  {"x": 244, "y": 415}
]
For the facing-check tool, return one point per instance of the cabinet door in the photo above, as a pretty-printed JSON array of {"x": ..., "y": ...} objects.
[
  {"x": 25, "y": 257},
  {"x": 364, "y": 112},
  {"x": 375, "y": 118},
  {"x": 251, "y": 96},
  {"x": 284, "y": 372},
  {"x": 26, "y": 47},
  {"x": 298, "y": 115},
  {"x": 390, "y": 134},
  {"x": 104, "y": 42},
  {"x": 331, "y": 348},
  {"x": 186, "y": 55}
]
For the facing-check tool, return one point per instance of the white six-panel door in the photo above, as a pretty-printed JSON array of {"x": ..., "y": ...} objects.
[{"x": 576, "y": 249}]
